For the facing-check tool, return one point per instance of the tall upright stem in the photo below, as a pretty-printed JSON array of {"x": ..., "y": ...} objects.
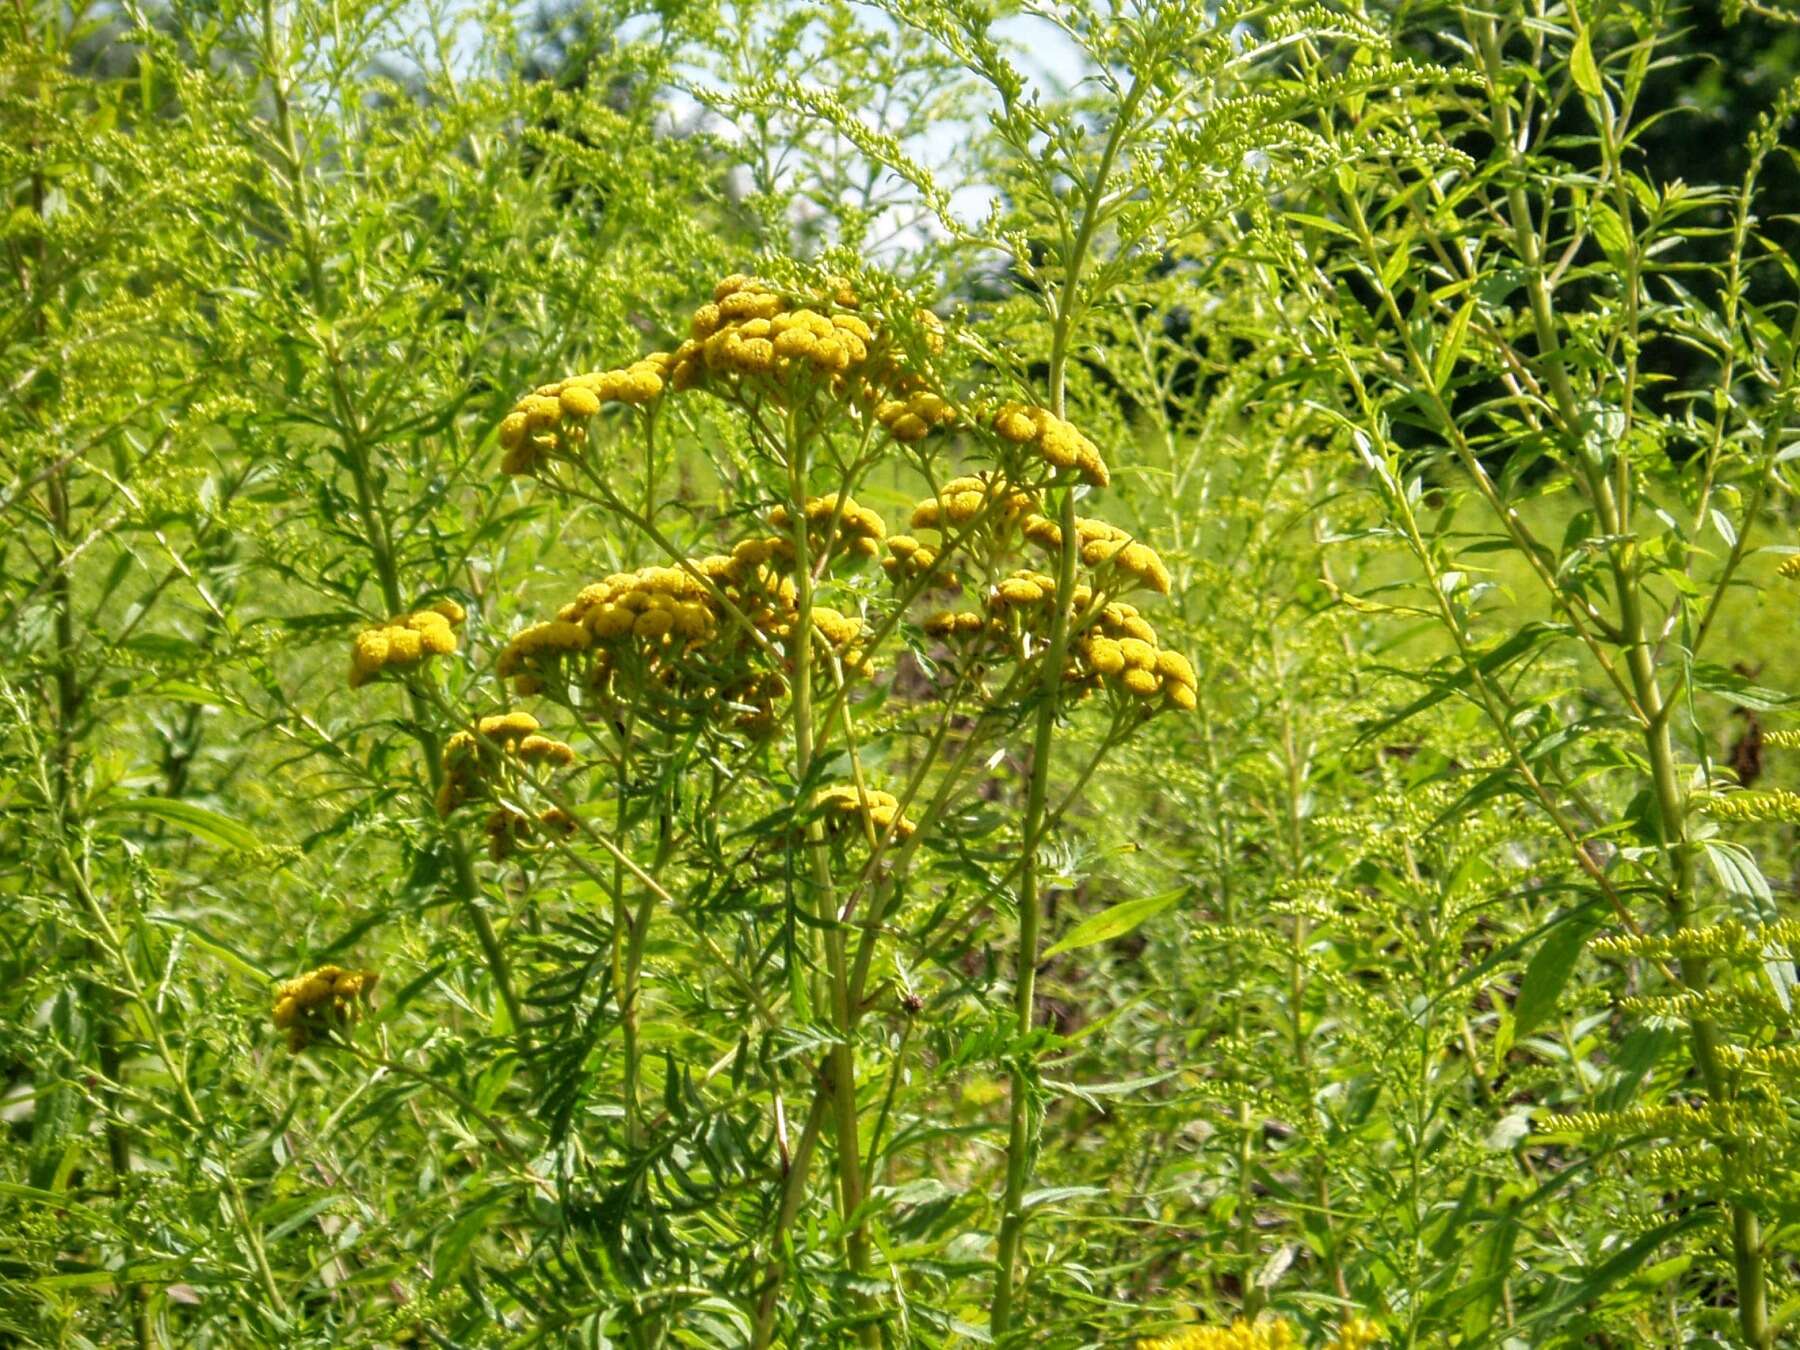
[
  {"x": 1612, "y": 498},
  {"x": 1022, "y": 1129},
  {"x": 842, "y": 1057},
  {"x": 66, "y": 706},
  {"x": 1671, "y": 799},
  {"x": 375, "y": 524}
]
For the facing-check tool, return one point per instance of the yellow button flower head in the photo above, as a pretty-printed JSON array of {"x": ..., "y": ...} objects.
[
  {"x": 321, "y": 1002},
  {"x": 534, "y": 650},
  {"x": 782, "y": 345},
  {"x": 368, "y": 656},
  {"x": 504, "y": 828},
  {"x": 551, "y": 421},
  {"x": 1123, "y": 620},
  {"x": 544, "y": 750},
  {"x": 881, "y": 809},
  {"x": 670, "y": 638},
  {"x": 1123, "y": 562},
  {"x": 467, "y": 769},
  {"x": 962, "y": 500},
  {"x": 915, "y": 416},
  {"x": 1053, "y": 439},
  {"x": 404, "y": 641},
  {"x": 507, "y": 728},
  {"x": 507, "y": 829},
  {"x": 1103, "y": 654},
  {"x": 858, "y": 535},
  {"x": 579, "y": 400},
  {"x": 462, "y": 772},
  {"x": 908, "y": 560},
  {"x": 1272, "y": 1334},
  {"x": 1141, "y": 682}
]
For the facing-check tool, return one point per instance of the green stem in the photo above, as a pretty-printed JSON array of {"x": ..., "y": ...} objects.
[
  {"x": 375, "y": 523},
  {"x": 178, "y": 1071},
  {"x": 887, "y": 1104},
  {"x": 1612, "y": 501},
  {"x": 1021, "y": 1141},
  {"x": 793, "y": 1191},
  {"x": 842, "y": 1056},
  {"x": 70, "y": 696},
  {"x": 1671, "y": 800},
  {"x": 624, "y": 937},
  {"x": 1021, "y": 1144}
]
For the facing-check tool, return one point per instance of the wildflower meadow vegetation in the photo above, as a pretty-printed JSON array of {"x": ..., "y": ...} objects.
[{"x": 924, "y": 673}]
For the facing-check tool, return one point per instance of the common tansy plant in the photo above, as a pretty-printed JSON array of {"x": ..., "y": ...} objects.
[{"x": 835, "y": 689}]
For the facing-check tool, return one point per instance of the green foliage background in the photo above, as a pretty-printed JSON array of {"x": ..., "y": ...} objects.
[{"x": 1448, "y": 358}]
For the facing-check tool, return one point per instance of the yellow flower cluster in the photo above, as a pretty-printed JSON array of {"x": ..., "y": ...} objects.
[
  {"x": 1276, "y": 1333},
  {"x": 1119, "y": 650},
  {"x": 1055, "y": 440},
  {"x": 749, "y": 329},
  {"x": 665, "y": 632},
  {"x": 1027, "y": 590},
  {"x": 859, "y": 530},
  {"x": 530, "y": 649},
  {"x": 788, "y": 344},
  {"x": 1105, "y": 547},
  {"x": 1727, "y": 941},
  {"x": 515, "y": 734},
  {"x": 951, "y": 624},
  {"x": 552, "y": 419},
  {"x": 881, "y": 809},
  {"x": 405, "y": 641},
  {"x": 1790, "y": 567},
  {"x": 322, "y": 1000},
  {"x": 915, "y": 416},
  {"x": 506, "y": 828},
  {"x": 908, "y": 560},
  {"x": 963, "y": 499},
  {"x": 1273, "y": 1334},
  {"x": 1114, "y": 647}
]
